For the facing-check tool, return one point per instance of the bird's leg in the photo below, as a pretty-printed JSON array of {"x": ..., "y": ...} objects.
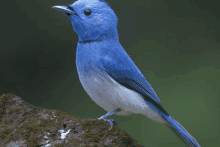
[{"x": 107, "y": 115}]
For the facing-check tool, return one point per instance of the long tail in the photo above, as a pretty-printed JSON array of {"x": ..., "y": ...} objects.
[{"x": 181, "y": 132}]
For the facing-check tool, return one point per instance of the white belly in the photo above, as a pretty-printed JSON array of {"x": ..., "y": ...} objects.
[{"x": 110, "y": 95}]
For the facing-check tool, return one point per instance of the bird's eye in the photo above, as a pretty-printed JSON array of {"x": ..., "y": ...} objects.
[{"x": 87, "y": 12}]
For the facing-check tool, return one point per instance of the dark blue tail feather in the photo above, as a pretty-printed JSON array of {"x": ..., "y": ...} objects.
[{"x": 181, "y": 132}]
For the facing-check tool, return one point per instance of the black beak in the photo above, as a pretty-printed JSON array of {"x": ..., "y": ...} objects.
[{"x": 65, "y": 9}]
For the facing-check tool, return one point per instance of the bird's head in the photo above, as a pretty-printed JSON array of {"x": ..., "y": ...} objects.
[{"x": 91, "y": 19}]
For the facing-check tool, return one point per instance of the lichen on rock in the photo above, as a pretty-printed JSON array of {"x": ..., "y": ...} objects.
[{"x": 24, "y": 125}]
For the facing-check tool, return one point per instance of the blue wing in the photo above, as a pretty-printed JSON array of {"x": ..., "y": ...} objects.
[{"x": 121, "y": 68}]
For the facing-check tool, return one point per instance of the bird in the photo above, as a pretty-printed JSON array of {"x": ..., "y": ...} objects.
[{"x": 106, "y": 71}]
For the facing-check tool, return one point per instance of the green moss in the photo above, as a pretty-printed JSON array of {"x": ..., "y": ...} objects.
[{"x": 30, "y": 124}]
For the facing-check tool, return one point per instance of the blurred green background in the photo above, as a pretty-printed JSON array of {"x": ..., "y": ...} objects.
[{"x": 174, "y": 43}]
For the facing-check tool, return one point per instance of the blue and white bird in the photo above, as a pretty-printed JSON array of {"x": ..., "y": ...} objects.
[{"x": 106, "y": 71}]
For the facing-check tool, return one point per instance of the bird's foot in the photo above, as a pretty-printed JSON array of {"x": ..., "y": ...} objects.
[{"x": 111, "y": 121}]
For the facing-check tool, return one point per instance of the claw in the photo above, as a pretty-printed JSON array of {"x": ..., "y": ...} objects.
[{"x": 111, "y": 121}]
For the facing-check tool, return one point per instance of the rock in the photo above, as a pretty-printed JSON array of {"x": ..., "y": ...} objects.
[{"x": 24, "y": 125}]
